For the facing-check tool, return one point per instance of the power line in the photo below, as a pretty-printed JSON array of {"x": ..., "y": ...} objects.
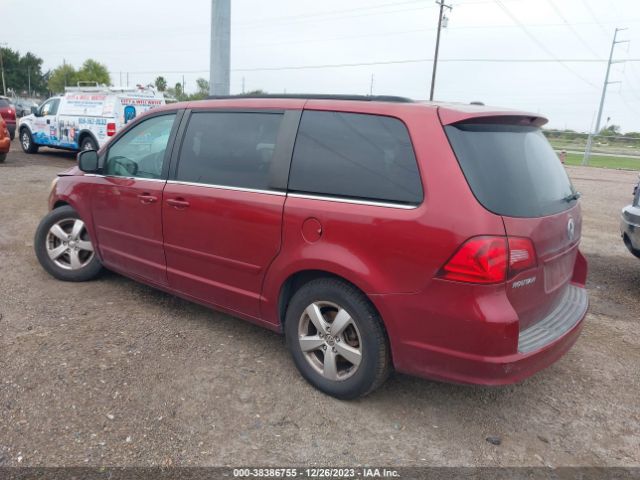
[
  {"x": 575, "y": 32},
  {"x": 391, "y": 62},
  {"x": 540, "y": 44},
  {"x": 595, "y": 17},
  {"x": 330, "y": 12},
  {"x": 263, "y": 24}
]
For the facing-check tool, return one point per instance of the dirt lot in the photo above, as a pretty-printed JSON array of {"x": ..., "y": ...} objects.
[{"x": 115, "y": 373}]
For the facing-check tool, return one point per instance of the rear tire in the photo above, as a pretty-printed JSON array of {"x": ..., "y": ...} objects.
[
  {"x": 337, "y": 339},
  {"x": 26, "y": 141},
  {"x": 63, "y": 246},
  {"x": 88, "y": 143}
]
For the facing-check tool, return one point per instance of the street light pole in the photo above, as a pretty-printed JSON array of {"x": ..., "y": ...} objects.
[
  {"x": 587, "y": 150},
  {"x": 4, "y": 87},
  {"x": 435, "y": 57}
]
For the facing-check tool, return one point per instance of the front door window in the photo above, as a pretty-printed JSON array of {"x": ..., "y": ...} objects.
[{"x": 140, "y": 152}]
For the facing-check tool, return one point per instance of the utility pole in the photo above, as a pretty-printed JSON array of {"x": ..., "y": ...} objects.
[
  {"x": 371, "y": 86},
  {"x": 29, "y": 77},
  {"x": 587, "y": 150},
  {"x": 442, "y": 23},
  {"x": 220, "y": 62},
  {"x": 4, "y": 87}
]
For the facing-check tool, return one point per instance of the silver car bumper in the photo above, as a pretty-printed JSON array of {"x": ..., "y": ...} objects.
[{"x": 630, "y": 226}]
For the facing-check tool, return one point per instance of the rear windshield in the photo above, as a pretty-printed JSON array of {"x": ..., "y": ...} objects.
[
  {"x": 4, "y": 103},
  {"x": 512, "y": 169}
]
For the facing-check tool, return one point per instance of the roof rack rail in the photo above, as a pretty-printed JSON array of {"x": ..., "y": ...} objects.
[{"x": 319, "y": 96}]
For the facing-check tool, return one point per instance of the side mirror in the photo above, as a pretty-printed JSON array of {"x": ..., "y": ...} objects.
[
  {"x": 88, "y": 161},
  {"x": 34, "y": 110}
]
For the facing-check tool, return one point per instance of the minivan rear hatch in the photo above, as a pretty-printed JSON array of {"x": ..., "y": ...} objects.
[{"x": 514, "y": 172}]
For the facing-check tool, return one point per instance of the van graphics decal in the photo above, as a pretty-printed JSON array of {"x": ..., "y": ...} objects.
[
  {"x": 64, "y": 134},
  {"x": 129, "y": 113},
  {"x": 86, "y": 104}
]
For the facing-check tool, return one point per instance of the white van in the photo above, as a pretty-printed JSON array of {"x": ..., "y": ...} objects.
[{"x": 85, "y": 117}]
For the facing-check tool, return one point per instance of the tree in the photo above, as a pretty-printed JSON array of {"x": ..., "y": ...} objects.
[
  {"x": 67, "y": 76},
  {"x": 177, "y": 93},
  {"x": 611, "y": 130},
  {"x": 161, "y": 84},
  {"x": 19, "y": 69},
  {"x": 63, "y": 76},
  {"x": 93, "y": 71},
  {"x": 255, "y": 92},
  {"x": 203, "y": 90}
]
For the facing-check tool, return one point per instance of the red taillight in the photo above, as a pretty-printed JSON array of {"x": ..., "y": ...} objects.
[
  {"x": 478, "y": 260},
  {"x": 522, "y": 255},
  {"x": 111, "y": 129},
  {"x": 487, "y": 259}
]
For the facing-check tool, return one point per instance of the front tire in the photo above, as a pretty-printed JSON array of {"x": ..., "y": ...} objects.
[
  {"x": 63, "y": 246},
  {"x": 337, "y": 339},
  {"x": 3, "y": 157},
  {"x": 26, "y": 141}
]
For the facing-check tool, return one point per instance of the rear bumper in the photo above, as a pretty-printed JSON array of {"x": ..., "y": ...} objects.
[
  {"x": 537, "y": 347},
  {"x": 630, "y": 226}
]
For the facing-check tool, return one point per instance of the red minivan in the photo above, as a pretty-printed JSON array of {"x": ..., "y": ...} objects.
[{"x": 376, "y": 233}]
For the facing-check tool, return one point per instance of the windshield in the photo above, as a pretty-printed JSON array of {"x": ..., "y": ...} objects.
[{"x": 511, "y": 169}]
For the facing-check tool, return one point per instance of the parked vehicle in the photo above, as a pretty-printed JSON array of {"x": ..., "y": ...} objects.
[
  {"x": 24, "y": 106},
  {"x": 630, "y": 222},
  {"x": 374, "y": 232},
  {"x": 85, "y": 117},
  {"x": 8, "y": 114},
  {"x": 5, "y": 140}
]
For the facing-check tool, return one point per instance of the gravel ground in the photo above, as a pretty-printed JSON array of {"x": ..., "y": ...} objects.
[{"x": 111, "y": 372}]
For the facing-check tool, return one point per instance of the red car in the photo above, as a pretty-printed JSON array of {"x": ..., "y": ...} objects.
[
  {"x": 376, "y": 233},
  {"x": 5, "y": 141},
  {"x": 8, "y": 114}
]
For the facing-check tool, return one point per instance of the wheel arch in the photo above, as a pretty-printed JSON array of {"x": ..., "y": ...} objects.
[
  {"x": 87, "y": 133},
  {"x": 24, "y": 127},
  {"x": 298, "y": 279},
  {"x": 60, "y": 203}
]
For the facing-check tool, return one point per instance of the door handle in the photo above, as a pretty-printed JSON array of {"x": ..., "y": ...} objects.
[
  {"x": 178, "y": 202},
  {"x": 146, "y": 198}
]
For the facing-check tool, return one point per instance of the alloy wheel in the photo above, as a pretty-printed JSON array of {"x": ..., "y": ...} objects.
[
  {"x": 26, "y": 142},
  {"x": 330, "y": 340},
  {"x": 68, "y": 244}
]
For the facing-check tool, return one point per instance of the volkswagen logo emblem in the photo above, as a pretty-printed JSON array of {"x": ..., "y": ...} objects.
[{"x": 571, "y": 229}]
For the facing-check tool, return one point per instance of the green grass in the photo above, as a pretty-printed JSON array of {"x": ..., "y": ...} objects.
[{"x": 605, "y": 161}]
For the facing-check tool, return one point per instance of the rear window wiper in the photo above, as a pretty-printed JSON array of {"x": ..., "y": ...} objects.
[{"x": 572, "y": 196}]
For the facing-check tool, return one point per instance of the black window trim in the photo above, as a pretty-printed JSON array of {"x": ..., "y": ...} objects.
[
  {"x": 360, "y": 200},
  {"x": 281, "y": 157},
  {"x": 177, "y": 123}
]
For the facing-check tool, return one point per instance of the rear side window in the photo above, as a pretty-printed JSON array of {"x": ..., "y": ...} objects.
[
  {"x": 355, "y": 155},
  {"x": 229, "y": 149},
  {"x": 511, "y": 169}
]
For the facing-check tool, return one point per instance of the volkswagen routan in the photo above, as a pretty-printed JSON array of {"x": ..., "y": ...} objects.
[{"x": 376, "y": 233}]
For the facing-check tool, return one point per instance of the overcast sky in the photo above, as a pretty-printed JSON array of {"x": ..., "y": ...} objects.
[{"x": 149, "y": 38}]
